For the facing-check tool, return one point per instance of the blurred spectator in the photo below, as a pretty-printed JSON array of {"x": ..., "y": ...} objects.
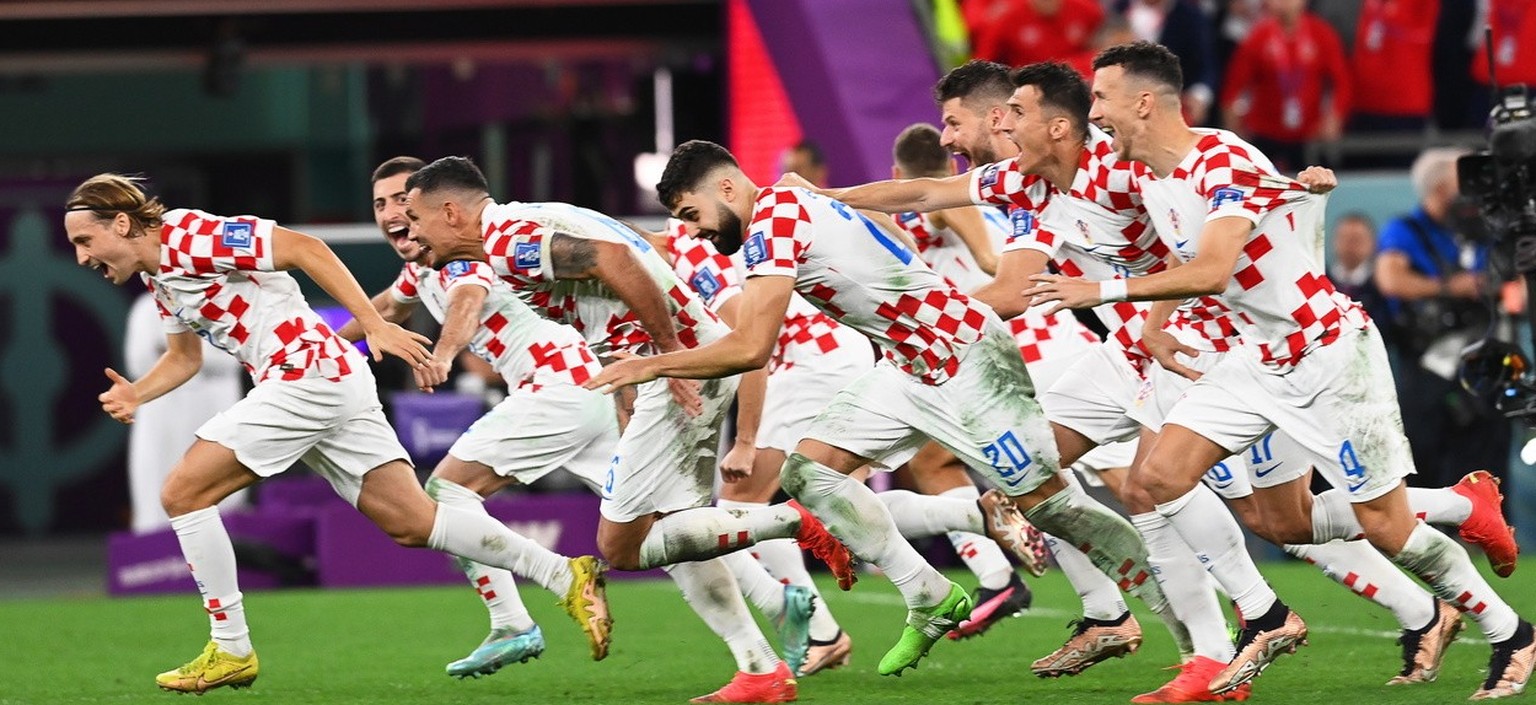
[
  {"x": 1038, "y": 30},
  {"x": 1393, "y": 84},
  {"x": 1287, "y": 84},
  {"x": 1185, "y": 29},
  {"x": 1435, "y": 282},
  {"x": 1115, "y": 30},
  {"x": 1234, "y": 20},
  {"x": 161, "y": 432},
  {"x": 1343, "y": 16},
  {"x": 1514, "y": 44},
  {"x": 1353, "y": 267},
  {"x": 807, "y": 160},
  {"x": 1459, "y": 103}
]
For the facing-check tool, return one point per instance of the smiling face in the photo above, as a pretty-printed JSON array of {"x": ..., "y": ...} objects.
[
  {"x": 967, "y": 132},
  {"x": 389, "y": 206},
  {"x": 445, "y": 228},
  {"x": 1116, "y": 109},
  {"x": 104, "y": 244},
  {"x": 711, "y": 218}
]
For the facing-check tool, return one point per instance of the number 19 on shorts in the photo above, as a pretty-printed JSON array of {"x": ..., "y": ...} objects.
[{"x": 1008, "y": 456}]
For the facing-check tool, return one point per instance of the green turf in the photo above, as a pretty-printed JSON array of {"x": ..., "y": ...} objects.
[{"x": 390, "y": 646}]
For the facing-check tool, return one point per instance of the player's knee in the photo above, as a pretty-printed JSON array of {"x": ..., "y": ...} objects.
[
  {"x": 1156, "y": 479},
  {"x": 619, "y": 554},
  {"x": 177, "y": 502},
  {"x": 1281, "y": 532}
]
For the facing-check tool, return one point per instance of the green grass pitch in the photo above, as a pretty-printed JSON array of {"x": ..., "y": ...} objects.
[{"x": 390, "y": 646}]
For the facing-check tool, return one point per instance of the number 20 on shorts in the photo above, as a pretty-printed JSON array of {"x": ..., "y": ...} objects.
[{"x": 1008, "y": 456}]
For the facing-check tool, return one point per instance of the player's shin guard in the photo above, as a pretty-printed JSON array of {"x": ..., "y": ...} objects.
[
  {"x": 1208, "y": 527},
  {"x": 478, "y": 537},
  {"x": 1189, "y": 588},
  {"x": 1445, "y": 566},
  {"x": 712, "y": 592},
  {"x": 494, "y": 585},
  {"x": 1358, "y": 566},
  {"x": 858, "y": 518},
  {"x": 705, "y": 532},
  {"x": 211, "y": 557},
  {"x": 1104, "y": 536}
]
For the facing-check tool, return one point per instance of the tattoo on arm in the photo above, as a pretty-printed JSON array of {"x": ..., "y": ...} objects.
[{"x": 572, "y": 257}]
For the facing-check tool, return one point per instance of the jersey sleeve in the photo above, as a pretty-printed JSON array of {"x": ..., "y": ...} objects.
[
  {"x": 519, "y": 250},
  {"x": 1233, "y": 185},
  {"x": 466, "y": 273},
  {"x": 203, "y": 243},
  {"x": 1002, "y": 184},
  {"x": 711, "y": 275},
  {"x": 404, "y": 289},
  {"x": 1028, "y": 231},
  {"x": 779, "y": 234}
]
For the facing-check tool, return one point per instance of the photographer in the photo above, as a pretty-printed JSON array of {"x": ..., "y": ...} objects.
[{"x": 1436, "y": 284}]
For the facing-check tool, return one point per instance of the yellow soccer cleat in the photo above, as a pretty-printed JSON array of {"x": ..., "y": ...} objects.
[
  {"x": 211, "y": 669},
  {"x": 587, "y": 603}
]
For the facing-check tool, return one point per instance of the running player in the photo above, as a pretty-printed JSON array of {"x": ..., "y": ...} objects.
[{"x": 223, "y": 279}]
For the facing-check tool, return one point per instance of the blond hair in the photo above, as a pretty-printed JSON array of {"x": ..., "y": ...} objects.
[{"x": 106, "y": 195}]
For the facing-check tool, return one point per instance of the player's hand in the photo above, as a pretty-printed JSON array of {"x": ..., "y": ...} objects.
[
  {"x": 406, "y": 345},
  {"x": 121, "y": 400},
  {"x": 1065, "y": 292},
  {"x": 1164, "y": 348},
  {"x": 433, "y": 373},
  {"x": 624, "y": 370},
  {"x": 737, "y": 463},
  {"x": 686, "y": 393},
  {"x": 1318, "y": 179}
]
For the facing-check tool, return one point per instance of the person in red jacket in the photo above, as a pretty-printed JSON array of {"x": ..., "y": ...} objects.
[
  {"x": 1287, "y": 84},
  {"x": 1393, "y": 85},
  {"x": 1038, "y": 30},
  {"x": 1514, "y": 44}
]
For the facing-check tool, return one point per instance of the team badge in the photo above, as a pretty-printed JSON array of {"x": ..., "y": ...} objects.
[
  {"x": 525, "y": 255},
  {"x": 989, "y": 176},
  {"x": 456, "y": 269},
  {"x": 1225, "y": 195},
  {"x": 237, "y": 235},
  {"x": 707, "y": 284},
  {"x": 754, "y": 250},
  {"x": 1023, "y": 222}
]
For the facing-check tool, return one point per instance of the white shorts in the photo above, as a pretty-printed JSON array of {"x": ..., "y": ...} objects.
[
  {"x": 535, "y": 431},
  {"x": 986, "y": 414},
  {"x": 666, "y": 460},
  {"x": 798, "y": 392},
  {"x": 1095, "y": 395},
  {"x": 336, "y": 428},
  {"x": 1338, "y": 404}
]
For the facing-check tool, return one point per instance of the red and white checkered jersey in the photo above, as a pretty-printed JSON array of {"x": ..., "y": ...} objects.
[
  {"x": 216, "y": 278},
  {"x": 863, "y": 277},
  {"x": 943, "y": 250},
  {"x": 1283, "y": 303},
  {"x": 524, "y": 348},
  {"x": 517, "y": 239}
]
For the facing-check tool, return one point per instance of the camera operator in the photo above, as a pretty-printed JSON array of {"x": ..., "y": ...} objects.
[{"x": 1436, "y": 281}]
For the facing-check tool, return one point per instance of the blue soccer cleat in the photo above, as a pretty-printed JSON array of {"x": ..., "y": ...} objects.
[{"x": 501, "y": 648}]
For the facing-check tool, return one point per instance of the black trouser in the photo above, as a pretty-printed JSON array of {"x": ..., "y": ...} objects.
[{"x": 1452, "y": 433}]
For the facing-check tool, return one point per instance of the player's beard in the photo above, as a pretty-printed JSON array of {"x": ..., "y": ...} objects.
[{"x": 727, "y": 237}]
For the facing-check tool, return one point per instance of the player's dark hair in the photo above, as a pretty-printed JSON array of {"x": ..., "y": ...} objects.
[
  {"x": 106, "y": 195},
  {"x": 686, "y": 169},
  {"x": 1144, "y": 60},
  {"x": 975, "y": 82},
  {"x": 1061, "y": 88},
  {"x": 396, "y": 166},
  {"x": 448, "y": 174},
  {"x": 918, "y": 152},
  {"x": 1359, "y": 217}
]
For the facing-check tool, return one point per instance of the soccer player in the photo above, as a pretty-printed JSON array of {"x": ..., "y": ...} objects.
[
  {"x": 546, "y": 422},
  {"x": 1312, "y": 365},
  {"x": 583, "y": 268},
  {"x": 951, "y": 372},
  {"x": 223, "y": 279}
]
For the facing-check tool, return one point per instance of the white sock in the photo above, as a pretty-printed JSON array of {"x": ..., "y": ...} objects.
[
  {"x": 1189, "y": 588},
  {"x": 1441, "y": 506},
  {"x": 480, "y": 538},
  {"x": 211, "y": 558},
  {"x": 757, "y": 586},
  {"x": 786, "y": 563},
  {"x": 714, "y": 596},
  {"x": 1100, "y": 595},
  {"x": 1444, "y": 564},
  {"x": 858, "y": 518},
  {"x": 1105, "y": 537},
  {"x": 1358, "y": 566},
  {"x": 1334, "y": 518},
  {"x": 919, "y": 516},
  {"x": 1208, "y": 527},
  {"x": 705, "y": 532},
  {"x": 494, "y": 585},
  {"x": 981, "y": 554}
]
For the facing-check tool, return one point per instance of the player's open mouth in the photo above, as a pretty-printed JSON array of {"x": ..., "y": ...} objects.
[{"x": 398, "y": 232}]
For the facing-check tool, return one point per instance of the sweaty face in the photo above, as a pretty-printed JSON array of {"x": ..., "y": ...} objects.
[
  {"x": 711, "y": 219},
  {"x": 102, "y": 245},
  {"x": 1114, "y": 109},
  {"x": 966, "y": 133},
  {"x": 389, "y": 206}
]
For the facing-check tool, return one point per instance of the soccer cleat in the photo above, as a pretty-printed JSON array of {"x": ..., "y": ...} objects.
[
  {"x": 776, "y": 687},
  {"x": 813, "y": 536},
  {"x": 1423, "y": 649},
  {"x": 794, "y": 626},
  {"x": 1092, "y": 641},
  {"x": 924, "y": 627},
  {"x": 1487, "y": 527},
  {"x": 993, "y": 606},
  {"x": 1510, "y": 668},
  {"x": 1257, "y": 648},
  {"x": 587, "y": 603},
  {"x": 1192, "y": 685},
  {"x": 827, "y": 655},
  {"x": 212, "y": 669},
  {"x": 1006, "y": 525},
  {"x": 503, "y": 647}
]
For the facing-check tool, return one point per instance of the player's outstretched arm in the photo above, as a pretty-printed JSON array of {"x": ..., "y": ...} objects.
[
  {"x": 747, "y": 347},
  {"x": 182, "y": 358},
  {"x": 971, "y": 226},
  {"x": 460, "y": 322},
  {"x": 389, "y": 307},
  {"x": 618, "y": 266},
  {"x": 900, "y": 195},
  {"x": 295, "y": 250},
  {"x": 1006, "y": 292},
  {"x": 1221, "y": 241}
]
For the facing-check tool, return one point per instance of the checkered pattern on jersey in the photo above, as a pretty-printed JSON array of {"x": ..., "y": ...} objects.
[
  {"x": 405, "y": 288},
  {"x": 710, "y": 274},
  {"x": 784, "y": 227},
  {"x": 562, "y": 363},
  {"x": 1102, "y": 178},
  {"x": 922, "y": 231},
  {"x": 1209, "y": 318},
  {"x": 216, "y": 277},
  {"x": 1035, "y": 332},
  {"x": 1225, "y": 175},
  {"x": 800, "y": 336}
]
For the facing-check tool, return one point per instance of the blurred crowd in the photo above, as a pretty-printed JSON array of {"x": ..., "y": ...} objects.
[{"x": 1286, "y": 74}]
